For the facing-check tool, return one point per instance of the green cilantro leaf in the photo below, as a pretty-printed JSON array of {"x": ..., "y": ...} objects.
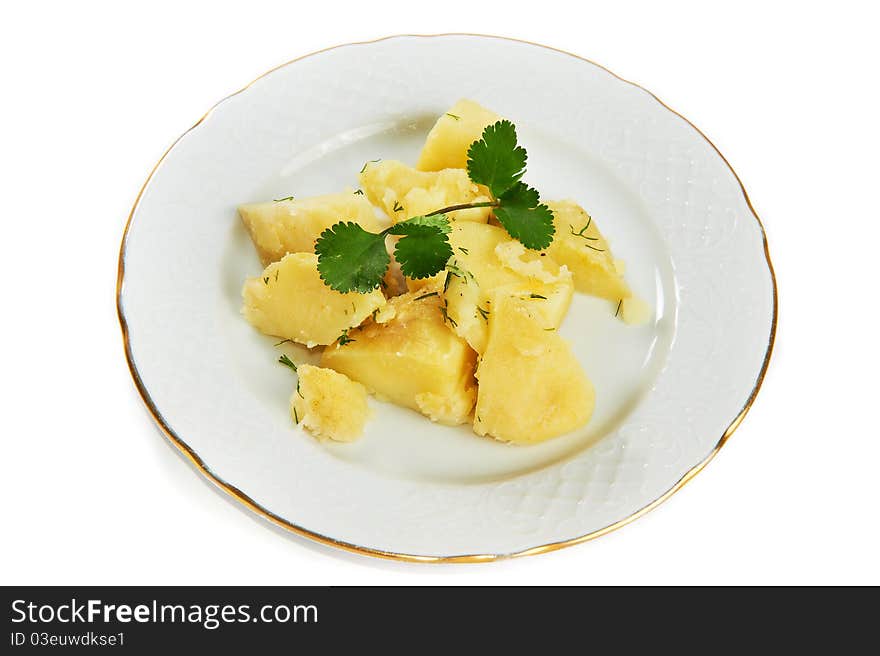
[
  {"x": 438, "y": 221},
  {"x": 423, "y": 252},
  {"x": 525, "y": 218},
  {"x": 350, "y": 258},
  {"x": 495, "y": 160}
]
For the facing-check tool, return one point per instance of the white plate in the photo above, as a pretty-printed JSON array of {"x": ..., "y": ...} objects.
[{"x": 668, "y": 393}]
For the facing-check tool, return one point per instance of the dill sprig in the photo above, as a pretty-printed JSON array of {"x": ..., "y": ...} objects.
[
  {"x": 580, "y": 233},
  {"x": 287, "y": 362},
  {"x": 372, "y": 161},
  {"x": 444, "y": 310},
  {"x": 344, "y": 339}
]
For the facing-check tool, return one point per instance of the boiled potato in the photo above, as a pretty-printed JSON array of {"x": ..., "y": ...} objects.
[
  {"x": 404, "y": 192},
  {"x": 329, "y": 404},
  {"x": 292, "y": 226},
  {"x": 531, "y": 387},
  {"x": 485, "y": 261},
  {"x": 290, "y": 300},
  {"x": 586, "y": 253},
  {"x": 412, "y": 359},
  {"x": 448, "y": 141}
]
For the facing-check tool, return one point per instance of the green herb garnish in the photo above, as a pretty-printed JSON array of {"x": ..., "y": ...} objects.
[
  {"x": 498, "y": 162},
  {"x": 278, "y": 200},
  {"x": 483, "y": 313},
  {"x": 537, "y": 296},
  {"x": 287, "y": 362},
  {"x": 419, "y": 298},
  {"x": 372, "y": 161},
  {"x": 445, "y": 312},
  {"x": 352, "y": 259},
  {"x": 580, "y": 233},
  {"x": 344, "y": 339},
  {"x": 455, "y": 116},
  {"x": 359, "y": 192},
  {"x": 619, "y": 304}
]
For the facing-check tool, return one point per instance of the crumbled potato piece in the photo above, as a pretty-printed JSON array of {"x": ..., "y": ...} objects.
[{"x": 328, "y": 404}]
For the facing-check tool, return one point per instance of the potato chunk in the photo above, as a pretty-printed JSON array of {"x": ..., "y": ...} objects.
[
  {"x": 585, "y": 252},
  {"x": 448, "y": 141},
  {"x": 412, "y": 359},
  {"x": 290, "y": 300},
  {"x": 531, "y": 387},
  {"x": 487, "y": 261},
  {"x": 404, "y": 192},
  {"x": 292, "y": 226},
  {"x": 329, "y": 404}
]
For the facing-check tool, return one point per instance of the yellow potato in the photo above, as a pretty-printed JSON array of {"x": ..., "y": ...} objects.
[
  {"x": 531, "y": 387},
  {"x": 328, "y": 404},
  {"x": 448, "y": 141},
  {"x": 412, "y": 359},
  {"x": 404, "y": 192},
  {"x": 485, "y": 261},
  {"x": 290, "y": 300},
  {"x": 586, "y": 253},
  {"x": 292, "y": 226}
]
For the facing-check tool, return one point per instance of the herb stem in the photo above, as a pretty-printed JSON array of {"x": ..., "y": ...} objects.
[{"x": 464, "y": 206}]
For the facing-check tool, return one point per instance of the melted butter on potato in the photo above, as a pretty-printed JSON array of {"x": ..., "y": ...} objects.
[
  {"x": 404, "y": 192},
  {"x": 292, "y": 226},
  {"x": 411, "y": 358},
  {"x": 448, "y": 141},
  {"x": 634, "y": 311},
  {"x": 290, "y": 300},
  {"x": 328, "y": 404},
  {"x": 531, "y": 387}
]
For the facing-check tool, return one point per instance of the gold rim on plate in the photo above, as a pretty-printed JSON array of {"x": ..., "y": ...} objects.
[{"x": 244, "y": 499}]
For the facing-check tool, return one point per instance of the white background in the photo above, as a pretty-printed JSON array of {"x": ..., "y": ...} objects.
[{"x": 93, "y": 94}]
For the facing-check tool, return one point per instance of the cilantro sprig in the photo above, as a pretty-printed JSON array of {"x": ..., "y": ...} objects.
[
  {"x": 498, "y": 162},
  {"x": 350, "y": 259}
]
